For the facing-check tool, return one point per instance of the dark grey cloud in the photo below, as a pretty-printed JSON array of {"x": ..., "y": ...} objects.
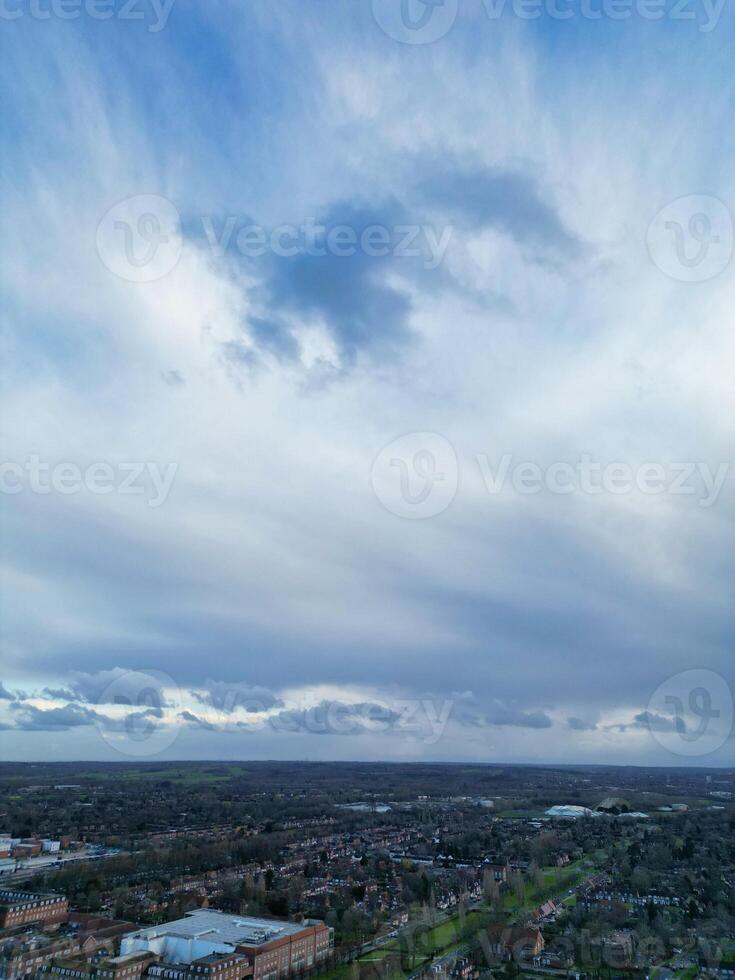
[
  {"x": 654, "y": 722},
  {"x": 60, "y": 694},
  {"x": 326, "y": 717},
  {"x": 30, "y": 718},
  {"x": 196, "y": 722},
  {"x": 349, "y": 293},
  {"x": 5, "y": 694},
  {"x": 229, "y": 697},
  {"x": 117, "y": 686},
  {"x": 470, "y": 711},
  {"x": 154, "y": 711},
  {"x": 509, "y": 202},
  {"x": 336, "y": 718},
  {"x": 504, "y": 715},
  {"x": 580, "y": 725},
  {"x": 361, "y": 299},
  {"x": 131, "y": 721},
  {"x": 517, "y": 643},
  {"x": 274, "y": 335}
]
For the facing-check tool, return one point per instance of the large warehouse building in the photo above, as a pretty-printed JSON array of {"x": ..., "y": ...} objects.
[{"x": 272, "y": 949}]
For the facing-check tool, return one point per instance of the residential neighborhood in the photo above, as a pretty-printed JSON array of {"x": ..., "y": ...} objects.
[{"x": 428, "y": 882}]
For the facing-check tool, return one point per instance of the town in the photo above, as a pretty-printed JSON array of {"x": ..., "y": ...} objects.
[{"x": 359, "y": 872}]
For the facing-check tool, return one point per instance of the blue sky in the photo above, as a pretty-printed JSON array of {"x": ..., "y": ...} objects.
[{"x": 522, "y": 253}]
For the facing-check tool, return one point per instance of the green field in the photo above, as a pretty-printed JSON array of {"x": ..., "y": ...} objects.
[
  {"x": 430, "y": 942},
  {"x": 556, "y": 881},
  {"x": 441, "y": 938}
]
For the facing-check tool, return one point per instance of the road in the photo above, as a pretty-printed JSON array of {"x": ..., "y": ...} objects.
[{"x": 439, "y": 961}]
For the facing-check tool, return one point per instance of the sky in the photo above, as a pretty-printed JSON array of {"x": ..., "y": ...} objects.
[{"x": 366, "y": 379}]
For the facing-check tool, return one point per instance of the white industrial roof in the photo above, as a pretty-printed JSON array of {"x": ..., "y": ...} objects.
[{"x": 224, "y": 928}]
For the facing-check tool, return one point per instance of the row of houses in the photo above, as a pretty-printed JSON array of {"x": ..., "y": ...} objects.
[
  {"x": 18, "y": 908},
  {"x": 610, "y": 897}
]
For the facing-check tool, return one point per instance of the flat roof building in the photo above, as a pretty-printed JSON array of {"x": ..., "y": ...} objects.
[{"x": 270, "y": 947}]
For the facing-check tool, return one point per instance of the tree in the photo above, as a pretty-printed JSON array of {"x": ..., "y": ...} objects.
[{"x": 519, "y": 888}]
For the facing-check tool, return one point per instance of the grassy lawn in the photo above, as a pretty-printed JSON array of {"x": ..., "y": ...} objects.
[
  {"x": 338, "y": 973},
  {"x": 556, "y": 880},
  {"x": 446, "y": 934},
  {"x": 440, "y": 939}
]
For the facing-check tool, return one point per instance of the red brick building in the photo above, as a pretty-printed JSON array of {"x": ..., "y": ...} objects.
[
  {"x": 97, "y": 933},
  {"x": 514, "y": 942},
  {"x": 232, "y": 966},
  {"x": 499, "y": 872},
  {"x": 27, "y": 956},
  {"x": 131, "y": 967},
  {"x": 290, "y": 954},
  {"x": 25, "y": 908}
]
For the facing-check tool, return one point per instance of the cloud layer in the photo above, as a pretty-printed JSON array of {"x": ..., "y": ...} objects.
[{"x": 272, "y": 597}]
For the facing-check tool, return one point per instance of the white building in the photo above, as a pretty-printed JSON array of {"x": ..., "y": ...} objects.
[
  {"x": 569, "y": 811},
  {"x": 273, "y": 946}
]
